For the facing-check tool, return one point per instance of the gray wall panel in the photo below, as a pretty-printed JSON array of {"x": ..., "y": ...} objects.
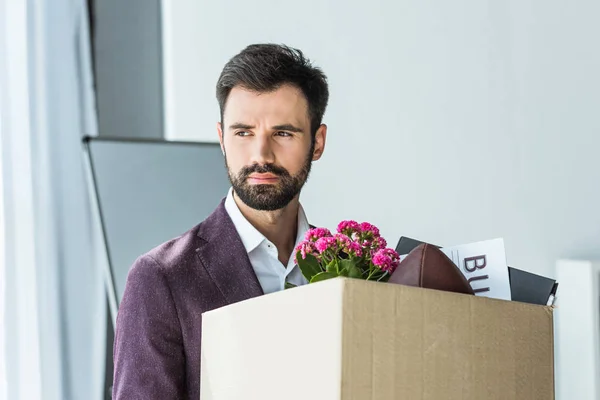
[{"x": 128, "y": 66}]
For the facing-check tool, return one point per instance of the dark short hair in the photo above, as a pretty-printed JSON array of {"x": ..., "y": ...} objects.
[{"x": 266, "y": 67}]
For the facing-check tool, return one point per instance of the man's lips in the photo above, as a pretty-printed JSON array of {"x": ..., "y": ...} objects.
[{"x": 262, "y": 178}]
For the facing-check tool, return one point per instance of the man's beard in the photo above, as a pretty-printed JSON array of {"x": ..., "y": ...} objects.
[{"x": 269, "y": 197}]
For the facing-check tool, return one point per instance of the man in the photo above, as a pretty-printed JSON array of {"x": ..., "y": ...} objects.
[{"x": 272, "y": 103}]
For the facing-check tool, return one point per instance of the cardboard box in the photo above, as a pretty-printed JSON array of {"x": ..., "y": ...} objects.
[{"x": 353, "y": 340}]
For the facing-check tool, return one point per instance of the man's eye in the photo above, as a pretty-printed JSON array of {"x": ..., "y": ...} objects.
[
  {"x": 242, "y": 133},
  {"x": 284, "y": 134}
]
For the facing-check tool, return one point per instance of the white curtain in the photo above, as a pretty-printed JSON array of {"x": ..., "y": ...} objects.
[
  {"x": 3, "y": 382},
  {"x": 54, "y": 319}
]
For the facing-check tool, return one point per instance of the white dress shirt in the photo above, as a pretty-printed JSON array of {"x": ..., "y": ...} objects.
[{"x": 272, "y": 274}]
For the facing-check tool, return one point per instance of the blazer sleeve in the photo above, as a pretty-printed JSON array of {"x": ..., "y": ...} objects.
[{"x": 149, "y": 361}]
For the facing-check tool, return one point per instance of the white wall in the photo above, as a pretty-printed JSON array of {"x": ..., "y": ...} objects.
[
  {"x": 577, "y": 329},
  {"x": 448, "y": 121}
]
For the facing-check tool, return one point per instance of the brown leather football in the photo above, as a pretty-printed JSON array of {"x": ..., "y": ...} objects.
[{"x": 428, "y": 267}]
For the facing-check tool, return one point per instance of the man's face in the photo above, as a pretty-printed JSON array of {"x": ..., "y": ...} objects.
[{"x": 267, "y": 144}]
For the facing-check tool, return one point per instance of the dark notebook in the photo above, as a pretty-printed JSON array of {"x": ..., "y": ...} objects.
[{"x": 524, "y": 286}]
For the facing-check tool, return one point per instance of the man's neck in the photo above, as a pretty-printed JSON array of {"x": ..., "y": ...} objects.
[{"x": 279, "y": 226}]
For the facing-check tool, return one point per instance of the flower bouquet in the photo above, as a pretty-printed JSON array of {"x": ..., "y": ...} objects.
[{"x": 355, "y": 251}]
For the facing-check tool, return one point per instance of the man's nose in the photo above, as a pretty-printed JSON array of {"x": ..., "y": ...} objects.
[{"x": 262, "y": 151}]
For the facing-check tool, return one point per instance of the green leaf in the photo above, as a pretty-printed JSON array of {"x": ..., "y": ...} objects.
[
  {"x": 289, "y": 285},
  {"x": 352, "y": 270},
  {"x": 332, "y": 266},
  {"x": 309, "y": 266},
  {"x": 321, "y": 276}
]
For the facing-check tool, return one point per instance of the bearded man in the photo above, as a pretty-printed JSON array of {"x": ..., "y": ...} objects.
[{"x": 272, "y": 102}]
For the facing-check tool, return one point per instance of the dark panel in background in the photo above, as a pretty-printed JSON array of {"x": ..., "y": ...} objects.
[
  {"x": 126, "y": 48},
  {"x": 148, "y": 191},
  {"x": 109, "y": 366},
  {"x": 126, "y": 41}
]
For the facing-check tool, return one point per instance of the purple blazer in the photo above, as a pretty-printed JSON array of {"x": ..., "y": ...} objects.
[{"x": 159, "y": 323}]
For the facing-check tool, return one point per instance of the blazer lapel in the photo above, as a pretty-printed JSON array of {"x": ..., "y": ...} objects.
[{"x": 224, "y": 257}]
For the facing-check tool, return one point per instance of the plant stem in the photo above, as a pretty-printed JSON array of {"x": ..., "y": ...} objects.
[{"x": 382, "y": 276}]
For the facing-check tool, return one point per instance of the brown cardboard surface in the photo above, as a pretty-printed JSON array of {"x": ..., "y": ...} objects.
[
  {"x": 350, "y": 339},
  {"x": 410, "y": 343}
]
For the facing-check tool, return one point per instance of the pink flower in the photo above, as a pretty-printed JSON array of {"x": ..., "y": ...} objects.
[
  {"x": 348, "y": 227},
  {"x": 342, "y": 239},
  {"x": 347, "y": 245},
  {"x": 378, "y": 243},
  {"x": 316, "y": 233},
  {"x": 386, "y": 259},
  {"x": 326, "y": 243},
  {"x": 306, "y": 247},
  {"x": 355, "y": 249},
  {"x": 367, "y": 228},
  {"x": 375, "y": 244}
]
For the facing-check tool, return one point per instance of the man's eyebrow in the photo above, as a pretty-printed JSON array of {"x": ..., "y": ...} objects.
[
  {"x": 239, "y": 125},
  {"x": 282, "y": 127},
  {"x": 287, "y": 127}
]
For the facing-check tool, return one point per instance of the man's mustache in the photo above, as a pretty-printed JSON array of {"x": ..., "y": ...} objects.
[{"x": 245, "y": 172}]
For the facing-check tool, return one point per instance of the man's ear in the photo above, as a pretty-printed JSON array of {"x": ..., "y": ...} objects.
[
  {"x": 320, "y": 138},
  {"x": 220, "y": 132}
]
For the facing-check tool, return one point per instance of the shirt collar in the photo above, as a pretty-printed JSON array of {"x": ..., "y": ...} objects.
[{"x": 251, "y": 237}]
